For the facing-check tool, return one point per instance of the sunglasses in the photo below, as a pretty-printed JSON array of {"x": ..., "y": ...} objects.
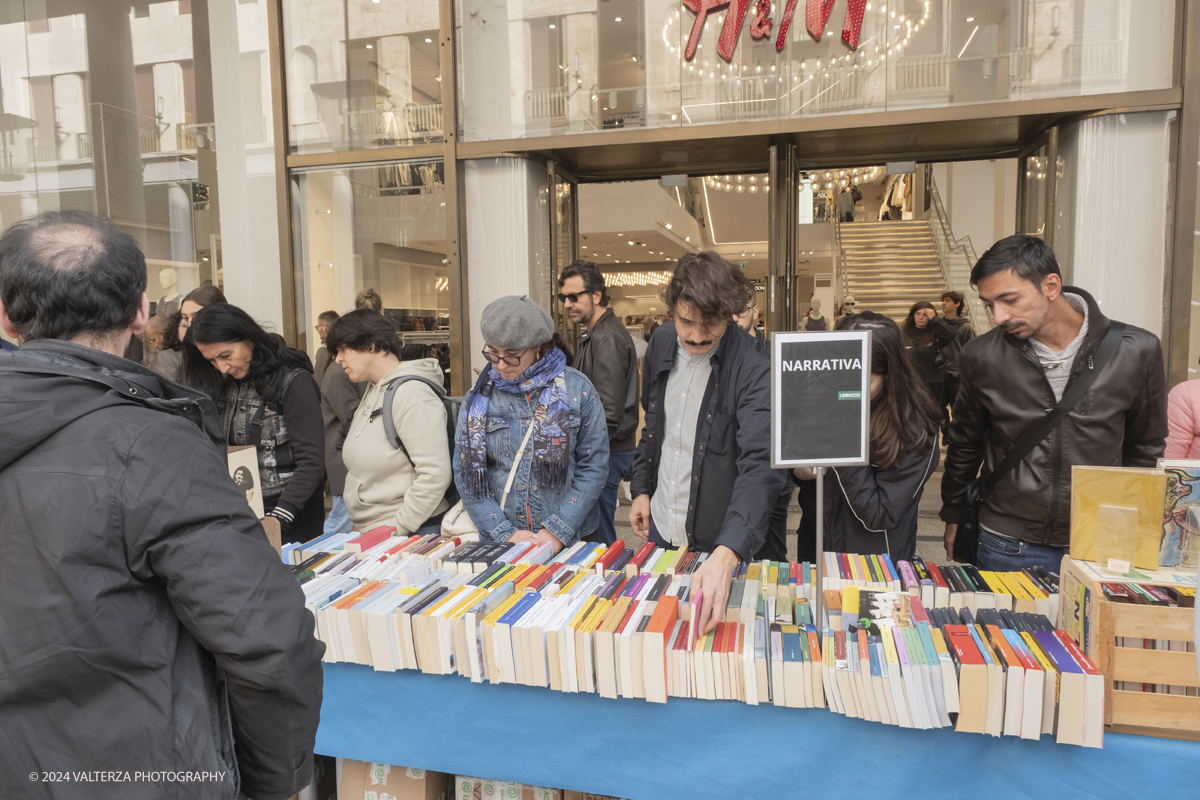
[
  {"x": 573, "y": 297},
  {"x": 512, "y": 361}
]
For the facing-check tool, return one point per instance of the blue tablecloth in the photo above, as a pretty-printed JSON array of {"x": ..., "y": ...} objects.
[{"x": 718, "y": 749}]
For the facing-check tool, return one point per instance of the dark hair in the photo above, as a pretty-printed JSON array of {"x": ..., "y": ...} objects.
[
  {"x": 369, "y": 298},
  {"x": 716, "y": 288},
  {"x": 363, "y": 330},
  {"x": 558, "y": 341},
  {"x": 1027, "y": 256},
  {"x": 66, "y": 273},
  {"x": 205, "y": 296},
  {"x": 593, "y": 279},
  {"x": 926, "y": 339},
  {"x": 957, "y": 297},
  {"x": 904, "y": 414},
  {"x": 270, "y": 362},
  {"x": 171, "y": 340},
  {"x": 329, "y": 317}
]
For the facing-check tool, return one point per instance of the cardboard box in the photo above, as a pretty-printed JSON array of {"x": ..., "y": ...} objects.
[
  {"x": 362, "y": 780},
  {"x": 468, "y": 788}
]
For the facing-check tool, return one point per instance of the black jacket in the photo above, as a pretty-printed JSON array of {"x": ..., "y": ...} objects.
[
  {"x": 147, "y": 623},
  {"x": 733, "y": 485},
  {"x": 871, "y": 510},
  {"x": 606, "y": 356},
  {"x": 1003, "y": 392}
]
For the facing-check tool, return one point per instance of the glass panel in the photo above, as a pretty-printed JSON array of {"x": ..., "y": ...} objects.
[
  {"x": 381, "y": 226},
  {"x": 1035, "y": 168},
  {"x": 117, "y": 113},
  {"x": 654, "y": 63},
  {"x": 563, "y": 246},
  {"x": 362, "y": 74}
]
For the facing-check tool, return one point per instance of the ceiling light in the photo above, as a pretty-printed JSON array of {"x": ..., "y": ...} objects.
[
  {"x": 616, "y": 19},
  {"x": 430, "y": 41},
  {"x": 634, "y": 59},
  {"x": 370, "y": 47},
  {"x": 970, "y": 19},
  {"x": 620, "y": 234},
  {"x": 552, "y": 26}
]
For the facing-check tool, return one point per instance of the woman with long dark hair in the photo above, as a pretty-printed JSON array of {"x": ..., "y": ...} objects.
[
  {"x": 925, "y": 335},
  {"x": 268, "y": 399},
  {"x": 196, "y": 299},
  {"x": 873, "y": 509}
]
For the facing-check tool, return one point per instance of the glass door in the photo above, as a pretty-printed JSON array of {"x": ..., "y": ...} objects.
[{"x": 563, "y": 207}]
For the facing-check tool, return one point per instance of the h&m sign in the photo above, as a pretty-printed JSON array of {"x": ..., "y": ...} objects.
[{"x": 816, "y": 14}]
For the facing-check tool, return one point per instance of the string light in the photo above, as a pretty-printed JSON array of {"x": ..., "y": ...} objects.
[{"x": 616, "y": 280}]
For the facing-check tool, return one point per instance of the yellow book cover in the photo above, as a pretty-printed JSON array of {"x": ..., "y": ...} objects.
[
  {"x": 502, "y": 609},
  {"x": 1035, "y": 649},
  {"x": 850, "y": 598},
  {"x": 530, "y": 577},
  {"x": 1013, "y": 585},
  {"x": 1117, "y": 513},
  {"x": 1029, "y": 586},
  {"x": 582, "y": 613},
  {"x": 467, "y": 603},
  {"x": 753, "y": 571},
  {"x": 773, "y": 576}
]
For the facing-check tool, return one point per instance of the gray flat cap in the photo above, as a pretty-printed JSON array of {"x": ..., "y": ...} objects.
[{"x": 515, "y": 323}]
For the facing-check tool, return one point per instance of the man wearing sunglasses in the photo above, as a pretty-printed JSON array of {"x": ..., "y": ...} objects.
[{"x": 608, "y": 358}]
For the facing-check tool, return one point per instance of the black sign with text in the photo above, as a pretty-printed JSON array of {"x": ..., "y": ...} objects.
[{"x": 821, "y": 398}]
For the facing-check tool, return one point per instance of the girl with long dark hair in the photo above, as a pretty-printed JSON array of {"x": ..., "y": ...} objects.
[
  {"x": 268, "y": 399},
  {"x": 873, "y": 509},
  {"x": 925, "y": 335}
]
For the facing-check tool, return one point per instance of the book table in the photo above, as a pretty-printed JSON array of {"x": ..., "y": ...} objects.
[{"x": 719, "y": 749}]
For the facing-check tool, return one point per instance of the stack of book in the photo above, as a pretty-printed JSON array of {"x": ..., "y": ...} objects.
[{"x": 619, "y": 623}]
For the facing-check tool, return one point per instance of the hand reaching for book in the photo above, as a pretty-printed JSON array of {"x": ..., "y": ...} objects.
[
  {"x": 948, "y": 538},
  {"x": 639, "y": 516},
  {"x": 713, "y": 578},
  {"x": 536, "y": 539}
]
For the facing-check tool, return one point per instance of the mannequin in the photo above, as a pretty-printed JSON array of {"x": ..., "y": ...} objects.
[
  {"x": 848, "y": 305},
  {"x": 815, "y": 321},
  {"x": 168, "y": 304}
]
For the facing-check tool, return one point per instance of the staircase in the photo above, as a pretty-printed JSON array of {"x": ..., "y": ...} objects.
[{"x": 888, "y": 266}]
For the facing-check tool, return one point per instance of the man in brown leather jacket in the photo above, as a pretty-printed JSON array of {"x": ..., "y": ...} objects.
[{"x": 1045, "y": 338}]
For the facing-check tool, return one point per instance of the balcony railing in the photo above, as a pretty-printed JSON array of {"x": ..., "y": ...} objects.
[
  {"x": 1094, "y": 60},
  {"x": 547, "y": 104},
  {"x": 425, "y": 119},
  {"x": 958, "y": 259},
  {"x": 920, "y": 75}
]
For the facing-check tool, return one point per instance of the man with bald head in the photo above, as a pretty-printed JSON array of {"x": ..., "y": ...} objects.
[{"x": 148, "y": 627}]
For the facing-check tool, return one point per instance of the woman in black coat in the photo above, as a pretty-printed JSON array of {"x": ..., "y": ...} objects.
[
  {"x": 925, "y": 334},
  {"x": 873, "y": 509}
]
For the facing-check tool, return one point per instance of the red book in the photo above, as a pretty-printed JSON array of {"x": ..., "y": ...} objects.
[
  {"x": 839, "y": 645},
  {"x": 681, "y": 638},
  {"x": 639, "y": 558},
  {"x": 797, "y": 576},
  {"x": 935, "y": 575},
  {"x": 963, "y": 645},
  {"x": 545, "y": 577},
  {"x": 844, "y": 567},
  {"x": 918, "y": 610},
  {"x": 1073, "y": 650},
  {"x": 610, "y": 555},
  {"x": 628, "y": 616},
  {"x": 367, "y": 540}
]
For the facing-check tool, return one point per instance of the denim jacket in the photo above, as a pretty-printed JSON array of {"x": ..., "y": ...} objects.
[{"x": 568, "y": 511}]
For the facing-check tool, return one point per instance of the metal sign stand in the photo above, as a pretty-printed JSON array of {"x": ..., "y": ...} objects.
[{"x": 818, "y": 597}]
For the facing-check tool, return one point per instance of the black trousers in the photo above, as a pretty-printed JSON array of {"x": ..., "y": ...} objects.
[
  {"x": 806, "y": 534},
  {"x": 949, "y": 394},
  {"x": 774, "y": 548}
]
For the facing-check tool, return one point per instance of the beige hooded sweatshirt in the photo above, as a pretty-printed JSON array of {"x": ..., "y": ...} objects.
[{"x": 383, "y": 487}]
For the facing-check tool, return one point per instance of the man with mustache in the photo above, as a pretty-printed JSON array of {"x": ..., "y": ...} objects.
[
  {"x": 1046, "y": 338},
  {"x": 702, "y": 474}
]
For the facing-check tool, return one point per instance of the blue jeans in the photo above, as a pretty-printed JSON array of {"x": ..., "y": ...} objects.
[
  {"x": 606, "y": 504},
  {"x": 338, "y": 520},
  {"x": 1002, "y": 554}
]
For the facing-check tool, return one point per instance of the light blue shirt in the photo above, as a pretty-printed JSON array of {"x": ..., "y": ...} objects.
[{"x": 681, "y": 414}]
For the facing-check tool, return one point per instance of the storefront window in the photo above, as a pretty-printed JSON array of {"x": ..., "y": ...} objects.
[
  {"x": 116, "y": 111},
  {"x": 380, "y": 227},
  {"x": 362, "y": 74},
  {"x": 635, "y": 64}
]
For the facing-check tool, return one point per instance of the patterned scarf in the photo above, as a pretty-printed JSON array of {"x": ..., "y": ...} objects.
[{"x": 550, "y": 441}]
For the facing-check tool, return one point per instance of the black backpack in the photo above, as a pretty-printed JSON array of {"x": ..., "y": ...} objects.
[{"x": 452, "y": 406}]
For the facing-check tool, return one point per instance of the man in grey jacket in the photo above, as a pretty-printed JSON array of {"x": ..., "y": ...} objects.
[
  {"x": 148, "y": 630},
  {"x": 608, "y": 358}
]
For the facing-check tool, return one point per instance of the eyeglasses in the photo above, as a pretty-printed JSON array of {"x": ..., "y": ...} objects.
[
  {"x": 573, "y": 297},
  {"x": 512, "y": 361}
]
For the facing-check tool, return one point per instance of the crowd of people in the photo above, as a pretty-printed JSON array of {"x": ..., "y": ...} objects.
[{"x": 130, "y": 549}]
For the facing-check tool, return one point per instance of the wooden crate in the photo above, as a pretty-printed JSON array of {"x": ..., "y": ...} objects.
[{"x": 1096, "y": 624}]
